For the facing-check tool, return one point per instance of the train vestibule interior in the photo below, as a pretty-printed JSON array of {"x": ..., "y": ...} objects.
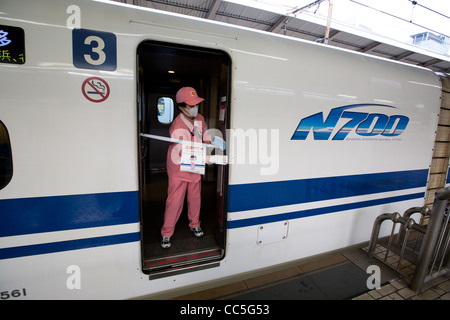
[{"x": 162, "y": 70}]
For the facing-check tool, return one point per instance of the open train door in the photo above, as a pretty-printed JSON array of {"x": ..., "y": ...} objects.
[{"x": 163, "y": 69}]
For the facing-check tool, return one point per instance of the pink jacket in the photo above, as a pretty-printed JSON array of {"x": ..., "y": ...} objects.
[{"x": 183, "y": 128}]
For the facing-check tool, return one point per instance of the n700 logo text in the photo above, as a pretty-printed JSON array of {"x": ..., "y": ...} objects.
[{"x": 365, "y": 124}]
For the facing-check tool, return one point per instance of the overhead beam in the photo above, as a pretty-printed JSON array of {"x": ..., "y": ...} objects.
[
  {"x": 430, "y": 62},
  {"x": 282, "y": 20},
  {"x": 213, "y": 9},
  {"x": 148, "y": 3},
  {"x": 370, "y": 46},
  {"x": 333, "y": 33},
  {"x": 403, "y": 55}
]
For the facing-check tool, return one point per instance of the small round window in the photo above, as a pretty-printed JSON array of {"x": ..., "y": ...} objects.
[
  {"x": 165, "y": 110},
  {"x": 6, "y": 165}
]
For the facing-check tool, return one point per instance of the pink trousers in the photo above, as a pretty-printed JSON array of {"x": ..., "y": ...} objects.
[{"x": 174, "y": 204}]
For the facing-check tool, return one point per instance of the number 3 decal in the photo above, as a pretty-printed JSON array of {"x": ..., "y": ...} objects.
[
  {"x": 94, "y": 49},
  {"x": 99, "y": 50}
]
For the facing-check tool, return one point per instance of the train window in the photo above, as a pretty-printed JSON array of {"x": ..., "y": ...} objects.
[
  {"x": 165, "y": 110},
  {"x": 6, "y": 168}
]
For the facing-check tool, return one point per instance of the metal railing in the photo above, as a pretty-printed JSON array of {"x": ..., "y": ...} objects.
[{"x": 425, "y": 245}]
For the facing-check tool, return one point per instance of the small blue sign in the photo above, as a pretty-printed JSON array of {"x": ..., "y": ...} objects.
[{"x": 94, "y": 49}]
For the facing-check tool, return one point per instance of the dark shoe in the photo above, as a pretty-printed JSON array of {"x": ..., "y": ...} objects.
[
  {"x": 198, "y": 232},
  {"x": 165, "y": 243}
]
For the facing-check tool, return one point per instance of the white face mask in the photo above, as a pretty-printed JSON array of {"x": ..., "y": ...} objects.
[{"x": 193, "y": 112}]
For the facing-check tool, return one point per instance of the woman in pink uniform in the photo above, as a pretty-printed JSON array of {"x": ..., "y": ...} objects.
[{"x": 189, "y": 125}]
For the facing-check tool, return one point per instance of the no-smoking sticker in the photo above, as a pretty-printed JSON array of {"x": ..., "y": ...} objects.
[{"x": 95, "y": 89}]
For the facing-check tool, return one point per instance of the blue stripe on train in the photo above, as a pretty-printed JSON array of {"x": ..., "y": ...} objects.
[
  {"x": 56, "y": 213},
  {"x": 317, "y": 211},
  {"x": 30, "y": 250},
  {"x": 253, "y": 196}
]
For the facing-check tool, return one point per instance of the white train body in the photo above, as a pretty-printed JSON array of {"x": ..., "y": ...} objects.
[{"x": 332, "y": 139}]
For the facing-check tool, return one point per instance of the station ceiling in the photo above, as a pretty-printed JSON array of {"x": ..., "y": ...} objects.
[{"x": 237, "y": 14}]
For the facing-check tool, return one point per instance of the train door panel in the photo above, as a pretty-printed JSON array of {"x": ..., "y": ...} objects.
[{"x": 163, "y": 69}]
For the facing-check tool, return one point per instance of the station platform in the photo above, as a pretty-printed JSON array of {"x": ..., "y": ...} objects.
[{"x": 337, "y": 276}]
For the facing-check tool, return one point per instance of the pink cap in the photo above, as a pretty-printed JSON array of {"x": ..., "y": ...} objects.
[{"x": 189, "y": 96}]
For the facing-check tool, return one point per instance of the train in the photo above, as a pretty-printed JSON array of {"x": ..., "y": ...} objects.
[{"x": 319, "y": 142}]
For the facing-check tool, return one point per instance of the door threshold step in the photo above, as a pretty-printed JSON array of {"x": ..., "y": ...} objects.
[
  {"x": 169, "y": 272},
  {"x": 180, "y": 259}
]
